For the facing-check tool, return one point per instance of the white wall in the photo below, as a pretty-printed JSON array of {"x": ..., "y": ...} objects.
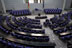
[
  {"x": 18, "y": 4},
  {"x": 15, "y": 4},
  {"x": 35, "y": 5},
  {"x": 2, "y": 6},
  {"x": 53, "y": 3},
  {"x": 68, "y": 4}
]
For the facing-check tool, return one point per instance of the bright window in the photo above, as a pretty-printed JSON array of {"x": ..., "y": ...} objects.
[
  {"x": 23, "y": 1},
  {"x": 31, "y": 1},
  {"x": 38, "y": 1},
  {"x": 34, "y": 1}
]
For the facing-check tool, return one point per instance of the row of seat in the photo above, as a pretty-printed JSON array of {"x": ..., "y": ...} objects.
[
  {"x": 25, "y": 21},
  {"x": 55, "y": 22},
  {"x": 70, "y": 13},
  {"x": 66, "y": 37},
  {"x": 28, "y": 19},
  {"x": 66, "y": 16},
  {"x": 31, "y": 31},
  {"x": 58, "y": 20},
  {"x": 20, "y": 12},
  {"x": 61, "y": 25},
  {"x": 63, "y": 34},
  {"x": 31, "y": 21},
  {"x": 22, "y": 29},
  {"x": 28, "y": 23},
  {"x": 2, "y": 28},
  {"x": 18, "y": 23},
  {"x": 34, "y": 26},
  {"x": 31, "y": 38},
  {"x": 53, "y": 11},
  {"x": 27, "y": 12},
  {"x": 58, "y": 31},
  {"x": 47, "y": 23},
  {"x": 12, "y": 26},
  {"x": 5, "y": 30},
  {"x": 11, "y": 44},
  {"x": 16, "y": 35}
]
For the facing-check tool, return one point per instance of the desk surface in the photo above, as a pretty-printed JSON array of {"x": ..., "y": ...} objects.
[
  {"x": 64, "y": 33},
  {"x": 32, "y": 34},
  {"x": 57, "y": 28}
]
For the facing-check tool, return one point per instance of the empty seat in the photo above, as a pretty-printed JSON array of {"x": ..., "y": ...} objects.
[
  {"x": 64, "y": 23},
  {"x": 18, "y": 23},
  {"x": 66, "y": 37},
  {"x": 52, "y": 11},
  {"x": 6, "y": 31},
  {"x": 10, "y": 24},
  {"x": 31, "y": 31},
  {"x": 31, "y": 21},
  {"x": 69, "y": 27},
  {"x": 20, "y": 12},
  {"x": 34, "y": 26},
  {"x": 10, "y": 43},
  {"x": 53, "y": 26},
  {"x": 60, "y": 30},
  {"x": 31, "y": 38}
]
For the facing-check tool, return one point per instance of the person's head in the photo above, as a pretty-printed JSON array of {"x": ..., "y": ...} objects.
[{"x": 39, "y": 14}]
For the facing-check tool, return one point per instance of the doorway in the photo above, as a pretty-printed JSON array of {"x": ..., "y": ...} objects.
[{"x": 71, "y": 4}]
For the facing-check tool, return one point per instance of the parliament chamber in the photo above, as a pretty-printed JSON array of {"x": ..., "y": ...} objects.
[{"x": 35, "y": 23}]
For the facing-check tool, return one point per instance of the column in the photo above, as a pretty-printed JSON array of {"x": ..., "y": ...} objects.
[{"x": 3, "y": 6}]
